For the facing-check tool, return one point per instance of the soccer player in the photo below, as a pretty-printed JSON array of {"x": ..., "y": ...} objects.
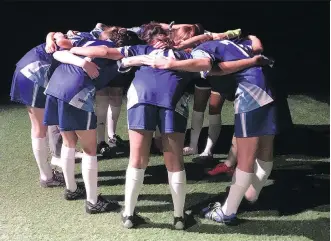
[
  {"x": 217, "y": 92},
  {"x": 70, "y": 105},
  {"x": 30, "y": 78},
  {"x": 255, "y": 124}
]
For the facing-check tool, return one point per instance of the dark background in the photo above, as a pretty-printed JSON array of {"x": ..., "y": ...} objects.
[{"x": 296, "y": 34}]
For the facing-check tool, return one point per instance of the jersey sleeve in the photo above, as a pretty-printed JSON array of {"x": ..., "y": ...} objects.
[
  {"x": 129, "y": 51},
  {"x": 96, "y": 32}
]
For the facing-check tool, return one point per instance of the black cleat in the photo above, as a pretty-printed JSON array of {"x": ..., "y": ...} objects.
[
  {"x": 131, "y": 221},
  {"x": 79, "y": 193},
  {"x": 101, "y": 206},
  {"x": 101, "y": 147},
  {"x": 117, "y": 141},
  {"x": 179, "y": 223},
  {"x": 56, "y": 181}
]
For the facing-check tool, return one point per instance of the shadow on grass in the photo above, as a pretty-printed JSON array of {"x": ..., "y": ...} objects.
[
  {"x": 303, "y": 140},
  {"x": 317, "y": 229},
  {"x": 298, "y": 187}
]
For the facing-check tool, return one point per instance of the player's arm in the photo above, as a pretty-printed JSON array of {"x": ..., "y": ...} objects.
[
  {"x": 66, "y": 57},
  {"x": 135, "y": 60},
  {"x": 257, "y": 46},
  {"x": 98, "y": 52},
  {"x": 229, "y": 67}
]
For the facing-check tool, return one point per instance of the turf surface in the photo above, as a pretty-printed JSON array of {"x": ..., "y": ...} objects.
[{"x": 295, "y": 207}]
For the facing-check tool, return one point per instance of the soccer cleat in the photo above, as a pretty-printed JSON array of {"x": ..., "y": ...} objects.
[
  {"x": 179, "y": 223},
  {"x": 56, "y": 181},
  {"x": 214, "y": 212},
  {"x": 79, "y": 193},
  {"x": 187, "y": 151},
  {"x": 116, "y": 141},
  {"x": 220, "y": 168},
  {"x": 101, "y": 147},
  {"x": 103, "y": 205},
  {"x": 131, "y": 221}
]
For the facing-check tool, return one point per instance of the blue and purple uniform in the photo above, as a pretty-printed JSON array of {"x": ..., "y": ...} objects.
[
  {"x": 254, "y": 112},
  {"x": 71, "y": 92},
  {"x": 31, "y": 76},
  {"x": 227, "y": 86},
  {"x": 157, "y": 97}
]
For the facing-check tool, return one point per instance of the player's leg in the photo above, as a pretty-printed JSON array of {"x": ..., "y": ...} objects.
[
  {"x": 201, "y": 96},
  {"x": 114, "y": 110},
  {"x": 215, "y": 123},
  {"x": 264, "y": 158},
  {"x": 173, "y": 127},
  {"x": 101, "y": 108},
  {"x": 94, "y": 203},
  {"x": 141, "y": 124},
  {"x": 250, "y": 129},
  {"x": 39, "y": 144}
]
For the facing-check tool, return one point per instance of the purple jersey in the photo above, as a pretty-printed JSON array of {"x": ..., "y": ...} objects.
[
  {"x": 37, "y": 65},
  {"x": 158, "y": 87},
  {"x": 252, "y": 90},
  {"x": 71, "y": 84}
]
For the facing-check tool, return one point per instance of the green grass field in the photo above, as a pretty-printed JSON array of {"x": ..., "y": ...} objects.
[{"x": 296, "y": 207}]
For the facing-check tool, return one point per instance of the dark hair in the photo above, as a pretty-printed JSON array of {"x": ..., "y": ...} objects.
[
  {"x": 153, "y": 32},
  {"x": 121, "y": 37}
]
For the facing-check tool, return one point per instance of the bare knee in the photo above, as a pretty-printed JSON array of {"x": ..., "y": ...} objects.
[
  {"x": 173, "y": 145},
  {"x": 216, "y": 103},
  {"x": 69, "y": 139},
  {"x": 140, "y": 143}
]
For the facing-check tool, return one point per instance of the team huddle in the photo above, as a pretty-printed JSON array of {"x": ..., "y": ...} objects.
[{"x": 73, "y": 86}]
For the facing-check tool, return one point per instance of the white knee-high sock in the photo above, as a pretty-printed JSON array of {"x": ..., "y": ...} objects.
[
  {"x": 112, "y": 118},
  {"x": 101, "y": 108},
  {"x": 262, "y": 171},
  {"x": 177, "y": 184},
  {"x": 240, "y": 182},
  {"x": 90, "y": 177},
  {"x": 196, "y": 126},
  {"x": 40, "y": 152},
  {"x": 214, "y": 130},
  {"x": 68, "y": 167},
  {"x": 133, "y": 183}
]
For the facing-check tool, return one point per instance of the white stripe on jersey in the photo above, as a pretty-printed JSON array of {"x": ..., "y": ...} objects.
[
  {"x": 89, "y": 116},
  {"x": 88, "y": 43},
  {"x": 243, "y": 124},
  {"x": 34, "y": 96},
  {"x": 32, "y": 68}
]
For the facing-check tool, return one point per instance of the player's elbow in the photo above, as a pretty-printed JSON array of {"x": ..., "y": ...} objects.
[{"x": 204, "y": 64}]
